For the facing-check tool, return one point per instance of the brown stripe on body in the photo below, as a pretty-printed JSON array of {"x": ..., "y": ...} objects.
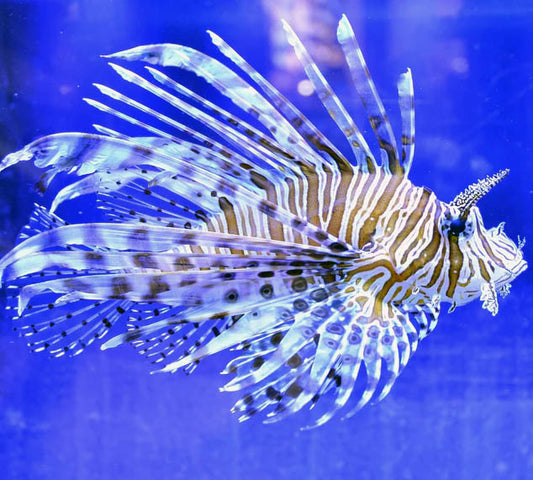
[
  {"x": 379, "y": 263},
  {"x": 362, "y": 198},
  {"x": 231, "y": 220},
  {"x": 368, "y": 283},
  {"x": 325, "y": 183},
  {"x": 291, "y": 194},
  {"x": 426, "y": 256},
  {"x": 368, "y": 268},
  {"x": 312, "y": 196},
  {"x": 456, "y": 263},
  {"x": 229, "y": 213},
  {"x": 274, "y": 226},
  {"x": 391, "y": 224},
  {"x": 394, "y": 165},
  {"x": 437, "y": 270},
  {"x": 369, "y": 226},
  {"x": 429, "y": 253},
  {"x": 419, "y": 237},
  {"x": 254, "y": 229},
  {"x": 212, "y": 226},
  {"x": 441, "y": 283},
  {"x": 397, "y": 292},
  {"x": 412, "y": 221},
  {"x": 339, "y": 201}
]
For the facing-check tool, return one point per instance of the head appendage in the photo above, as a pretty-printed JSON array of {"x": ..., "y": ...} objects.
[{"x": 467, "y": 199}]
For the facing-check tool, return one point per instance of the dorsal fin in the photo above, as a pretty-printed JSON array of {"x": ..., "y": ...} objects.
[{"x": 369, "y": 97}]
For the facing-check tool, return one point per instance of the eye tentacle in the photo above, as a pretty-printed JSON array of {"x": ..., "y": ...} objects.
[{"x": 473, "y": 193}]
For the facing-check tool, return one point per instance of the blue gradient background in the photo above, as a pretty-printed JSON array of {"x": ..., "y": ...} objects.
[{"x": 462, "y": 409}]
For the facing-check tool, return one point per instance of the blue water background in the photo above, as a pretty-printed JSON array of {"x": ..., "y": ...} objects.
[{"x": 463, "y": 407}]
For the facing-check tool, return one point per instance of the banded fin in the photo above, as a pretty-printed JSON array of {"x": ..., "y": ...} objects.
[
  {"x": 138, "y": 201},
  {"x": 170, "y": 340},
  {"x": 266, "y": 315},
  {"x": 369, "y": 97},
  {"x": 336, "y": 109},
  {"x": 130, "y": 262},
  {"x": 322, "y": 368},
  {"x": 228, "y": 83},
  {"x": 66, "y": 329},
  {"x": 235, "y": 289},
  {"x": 156, "y": 239},
  {"x": 84, "y": 154},
  {"x": 407, "y": 111},
  {"x": 202, "y": 339},
  {"x": 69, "y": 291},
  {"x": 47, "y": 326},
  {"x": 270, "y": 397},
  {"x": 301, "y": 124},
  {"x": 426, "y": 318}
]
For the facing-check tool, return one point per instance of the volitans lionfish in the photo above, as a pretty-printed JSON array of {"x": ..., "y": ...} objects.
[{"x": 323, "y": 272}]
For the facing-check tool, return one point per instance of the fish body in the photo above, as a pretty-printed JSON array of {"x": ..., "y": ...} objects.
[{"x": 324, "y": 272}]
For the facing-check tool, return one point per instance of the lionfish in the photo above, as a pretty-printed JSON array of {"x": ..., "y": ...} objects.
[{"x": 323, "y": 272}]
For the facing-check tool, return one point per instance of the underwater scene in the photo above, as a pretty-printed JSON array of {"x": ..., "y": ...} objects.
[{"x": 266, "y": 239}]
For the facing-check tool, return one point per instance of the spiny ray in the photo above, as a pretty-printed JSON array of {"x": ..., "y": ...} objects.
[
  {"x": 407, "y": 111},
  {"x": 235, "y": 122},
  {"x": 363, "y": 155},
  {"x": 151, "y": 238},
  {"x": 232, "y": 136},
  {"x": 369, "y": 96},
  {"x": 77, "y": 152},
  {"x": 296, "y": 118},
  {"x": 224, "y": 80}
]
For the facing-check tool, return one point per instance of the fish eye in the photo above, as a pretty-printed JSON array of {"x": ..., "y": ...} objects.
[{"x": 457, "y": 226}]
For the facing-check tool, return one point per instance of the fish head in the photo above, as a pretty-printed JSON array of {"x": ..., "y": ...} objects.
[{"x": 482, "y": 262}]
